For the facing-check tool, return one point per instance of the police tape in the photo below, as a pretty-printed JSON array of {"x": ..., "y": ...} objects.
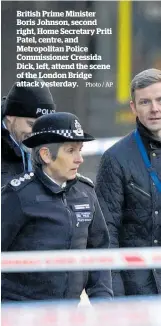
[
  {"x": 91, "y": 259},
  {"x": 140, "y": 312},
  {"x": 99, "y": 146}
]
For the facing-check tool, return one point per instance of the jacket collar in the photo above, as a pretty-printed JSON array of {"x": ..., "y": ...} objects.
[
  {"x": 10, "y": 148},
  {"x": 147, "y": 136},
  {"x": 55, "y": 188}
]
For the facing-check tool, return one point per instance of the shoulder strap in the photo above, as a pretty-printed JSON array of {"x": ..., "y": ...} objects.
[
  {"x": 85, "y": 180},
  {"x": 146, "y": 160}
]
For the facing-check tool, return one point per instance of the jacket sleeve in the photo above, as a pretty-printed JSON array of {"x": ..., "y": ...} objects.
[
  {"x": 99, "y": 283},
  {"x": 12, "y": 218},
  {"x": 110, "y": 193}
]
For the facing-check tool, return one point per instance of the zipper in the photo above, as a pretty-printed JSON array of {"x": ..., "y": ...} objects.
[
  {"x": 64, "y": 200},
  {"x": 139, "y": 189},
  {"x": 71, "y": 228},
  {"x": 69, "y": 214}
]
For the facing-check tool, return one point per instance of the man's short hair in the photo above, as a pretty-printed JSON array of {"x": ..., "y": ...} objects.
[{"x": 144, "y": 79}]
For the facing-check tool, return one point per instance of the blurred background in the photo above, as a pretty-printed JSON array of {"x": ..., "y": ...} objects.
[{"x": 135, "y": 45}]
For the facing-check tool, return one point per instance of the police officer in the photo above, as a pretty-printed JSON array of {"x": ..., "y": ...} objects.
[
  {"x": 54, "y": 208},
  {"x": 20, "y": 108}
]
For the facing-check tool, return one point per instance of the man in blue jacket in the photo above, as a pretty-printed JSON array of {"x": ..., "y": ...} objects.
[
  {"x": 129, "y": 185},
  {"x": 54, "y": 208}
]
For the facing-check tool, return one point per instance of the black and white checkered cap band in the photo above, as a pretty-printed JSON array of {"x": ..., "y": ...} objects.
[{"x": 62, "y": 132}]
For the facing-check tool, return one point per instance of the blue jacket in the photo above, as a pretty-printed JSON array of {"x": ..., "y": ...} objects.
[
  {"x": 132, "y": 208},
  {"x": 37, "y": 214},
  {"x": 13, "y": 159}
]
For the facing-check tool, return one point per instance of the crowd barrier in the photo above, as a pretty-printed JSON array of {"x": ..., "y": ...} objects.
[
  {"x": 128, "y": 311},
  {"x": 136, "y": 312},
  {"x": 59, "y": 260}
]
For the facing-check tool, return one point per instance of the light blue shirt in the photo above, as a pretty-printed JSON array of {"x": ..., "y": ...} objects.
[{"x": 23, "y": 153}]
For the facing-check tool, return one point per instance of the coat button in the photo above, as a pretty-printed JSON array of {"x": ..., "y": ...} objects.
[
  {"x": 153, "y": 154},
  {"x": 156, "y": 212},
  {"x": 155, "y": 241}
]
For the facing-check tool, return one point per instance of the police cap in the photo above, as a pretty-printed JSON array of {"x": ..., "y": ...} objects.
[{"x": 56, "y": 128}]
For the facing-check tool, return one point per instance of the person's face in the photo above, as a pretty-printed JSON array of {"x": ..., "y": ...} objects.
[
  {"x": 20, "y": 128},
  {"x": 147, "y": 106},
  {"x": 67, "y": 162}
]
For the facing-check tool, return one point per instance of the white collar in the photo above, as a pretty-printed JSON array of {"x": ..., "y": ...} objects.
[{"x": 63, "y": 185}]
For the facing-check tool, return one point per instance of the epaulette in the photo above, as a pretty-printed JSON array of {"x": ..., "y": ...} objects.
[
  {"x": 3, "y": 187},
  {"x": 85, "y": 179},
  {"x": 23, "y": 180}
]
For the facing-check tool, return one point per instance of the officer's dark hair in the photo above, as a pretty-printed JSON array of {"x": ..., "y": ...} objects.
[
  {"x": 144, "y": 79},
  {"x": 36, "y": 159}
]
